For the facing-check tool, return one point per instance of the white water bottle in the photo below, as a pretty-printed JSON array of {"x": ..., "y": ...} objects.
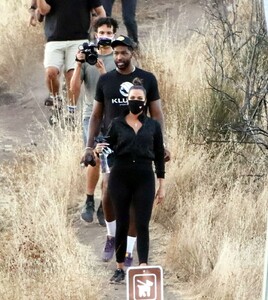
[
  {"x": 103, "y": 159},
  {"x": 104, "y": 163}
]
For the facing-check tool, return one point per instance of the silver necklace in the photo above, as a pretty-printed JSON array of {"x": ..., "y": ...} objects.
[{"x": 133, "y": 70}]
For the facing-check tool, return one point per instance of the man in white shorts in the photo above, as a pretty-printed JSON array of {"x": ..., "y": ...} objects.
[{"x": 66, "y": 27}]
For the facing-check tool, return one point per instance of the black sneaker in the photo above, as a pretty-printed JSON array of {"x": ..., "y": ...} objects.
[
  {"x": 54, "y": 101},
  {"x": 100, "y": 216},
  {"x": 88, "y": 212},
  {"x": 118, "y": 277}
]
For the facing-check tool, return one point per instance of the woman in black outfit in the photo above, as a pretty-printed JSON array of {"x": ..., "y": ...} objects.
[{"x": 136, "y": 141}]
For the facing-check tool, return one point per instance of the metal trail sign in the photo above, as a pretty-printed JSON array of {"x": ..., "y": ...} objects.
[{"x": 145, "y": 283}]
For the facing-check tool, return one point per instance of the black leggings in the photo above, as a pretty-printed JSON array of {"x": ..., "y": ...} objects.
[{"x": 132, "y": 184}]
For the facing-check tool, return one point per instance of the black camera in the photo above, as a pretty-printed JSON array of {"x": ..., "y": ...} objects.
[
  {"x": 90, "y": 51},
  {"x": 89, "y": 160}
]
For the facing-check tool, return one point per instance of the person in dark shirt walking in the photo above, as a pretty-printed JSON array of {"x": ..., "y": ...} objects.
[
  {"x": 129, "y": 16},
  {"x": 136, "y": 141},
  {"x": 66, "y": 27}
]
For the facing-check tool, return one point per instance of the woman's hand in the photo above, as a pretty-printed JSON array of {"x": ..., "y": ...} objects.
[
  {"x": 100, "y": 146},
  {"x": 160, "y": 194},
  {"x": 167, "y": 154}
]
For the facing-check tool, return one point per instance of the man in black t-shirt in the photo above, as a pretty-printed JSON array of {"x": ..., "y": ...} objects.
[
  {"x": 110, "y": 101},
  {"x": 66, "y": 27},
  {"x": 112, "y": 91}
]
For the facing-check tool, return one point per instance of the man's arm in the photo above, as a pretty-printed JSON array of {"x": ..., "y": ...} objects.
[
  {"x": 32, "y": 11},
  {"x": 43, "y": 7},
  {"x": 156, "y": 113},
  {"x": 96, "y": 13},
  {"x": 94, "y": 123},
  {"x": 93, "y": 131},
  {"x": 33, "y": 4},
  {"x": 99, "y": 12},
  {"x": 76, "y": 82}
]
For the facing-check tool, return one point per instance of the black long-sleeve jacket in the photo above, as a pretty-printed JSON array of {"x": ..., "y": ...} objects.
[{"x": 144, "y": 146}]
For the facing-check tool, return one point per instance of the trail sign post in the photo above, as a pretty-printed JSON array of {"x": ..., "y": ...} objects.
[{"x": 145, "y": 283}]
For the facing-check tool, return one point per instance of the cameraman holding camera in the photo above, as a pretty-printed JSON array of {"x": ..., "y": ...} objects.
[{"x": 92, "y": 61}]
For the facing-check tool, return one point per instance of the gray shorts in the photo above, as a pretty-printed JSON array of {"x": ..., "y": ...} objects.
[{"x": 61, "y": 54}]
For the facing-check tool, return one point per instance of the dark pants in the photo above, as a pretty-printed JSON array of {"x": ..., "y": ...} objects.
[
  {"x": 132, "y": 184},
  {"x": 129, "y": 15}
]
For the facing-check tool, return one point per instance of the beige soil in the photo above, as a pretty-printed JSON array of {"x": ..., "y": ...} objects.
[{"x": 22, "y": 113}]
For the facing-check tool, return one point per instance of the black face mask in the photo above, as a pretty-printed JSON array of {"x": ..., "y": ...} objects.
[{"x": 136, "y": 106}]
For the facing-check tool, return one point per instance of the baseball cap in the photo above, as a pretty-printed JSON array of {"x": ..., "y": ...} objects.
[{"x": 123, "y": 41}]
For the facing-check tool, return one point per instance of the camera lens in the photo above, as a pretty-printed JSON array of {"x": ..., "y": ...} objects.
[{"x": 92, "y": 59}]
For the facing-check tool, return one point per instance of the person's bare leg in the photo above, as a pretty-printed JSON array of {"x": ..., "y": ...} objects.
[
  {"x": 131, "y": 238},
  {"x": 109, "y": 216},
  {"x": 106, "y": 201},
  {"x": 92, "y": 178},
  {"x": 72, "y": 98},
  {"x": 132, "y": 226},
  {"x": 52, "y": 80}
]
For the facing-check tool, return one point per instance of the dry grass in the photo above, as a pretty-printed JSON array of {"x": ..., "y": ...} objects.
[
  {"x": 217, "y": 218},
  {"x": 21, "y": 46},
  {"x": 40, "y": 257},
  {"x": 215, "y": 205},
  {"x": 216, "y": 194}
]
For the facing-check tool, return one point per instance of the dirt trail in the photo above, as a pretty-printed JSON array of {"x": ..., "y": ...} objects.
[
  {"x": 20, "y": 120},
  {"x": 93, "y": 235}
]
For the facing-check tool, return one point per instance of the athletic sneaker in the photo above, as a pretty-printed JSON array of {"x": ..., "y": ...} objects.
[
  {"x": 128, "y": 260},
  {"x": 55, "y": 101},
  {"x": 100, "y": 216},
  {"x": 49, "y": 101},
  {"x": 88, "y": 212},
  {"x": 108, "y": 251},
  {"x": 118, "y": 277}
]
